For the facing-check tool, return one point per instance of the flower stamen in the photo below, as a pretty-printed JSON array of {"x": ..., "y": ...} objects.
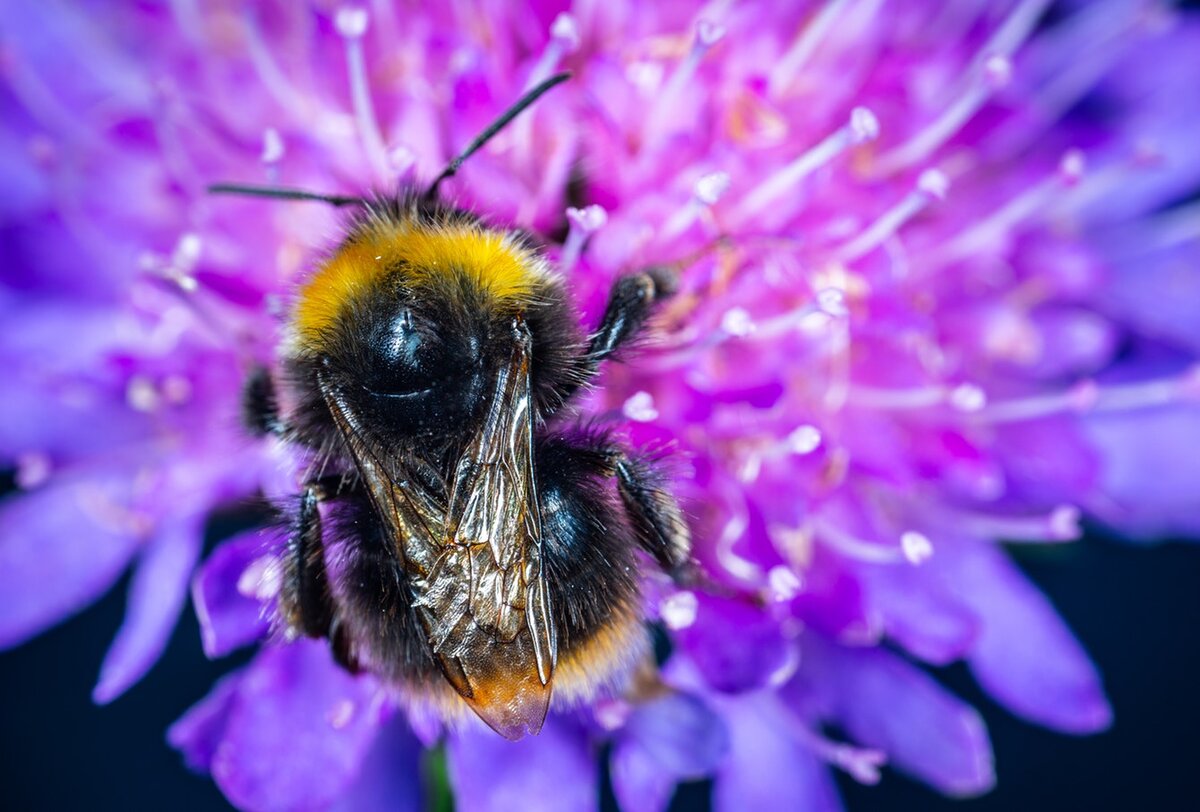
[
  {"x": 1088, "y": 396},
  {"x": 861, "y": 128},
  {"x": 931, "y": 185},
  {"x": 351, "y": 24},
  {"x": 564, "y": 40},
  {"x": 708, "y": 34},
  {"x": 993, "y": 228},
  {"x": 1059, "y": 525},
  {"x": 705, "y": 194},
  {"x": 994, "y": 75},
  {"x": 583, "y": 223},
  {"x": 804, "y": 46}
]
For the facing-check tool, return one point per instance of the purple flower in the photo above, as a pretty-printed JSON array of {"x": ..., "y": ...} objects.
[{"x": 937, "y": 291}]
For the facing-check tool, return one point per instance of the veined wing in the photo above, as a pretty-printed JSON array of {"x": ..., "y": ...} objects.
[
  {"x": 475, "y": 564},
  {"x": 506, "y": 644}
]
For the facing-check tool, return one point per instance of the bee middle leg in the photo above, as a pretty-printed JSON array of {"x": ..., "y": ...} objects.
[
  {"x": 655, "y": 520},
  {"x": 306, "y": 600}
]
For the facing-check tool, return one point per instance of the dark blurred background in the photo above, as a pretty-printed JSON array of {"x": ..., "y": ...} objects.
[{"x": 1136, "y": 610}]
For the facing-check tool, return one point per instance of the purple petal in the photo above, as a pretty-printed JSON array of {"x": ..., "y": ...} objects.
[
  {"x": 736, "y": 646},
  {"x": 1150, "y": 478},
  {"x": 554, "y": 771},
  {"x": 56, "y": 556},
  {"x": 885, "y": 703},
  {"x": 1025, "y": 657},
  {"x": 670, "y": 739},
  {"x": 390, "y": 778},
  {"x": 920, "y": 615},
  {"x": 1156, "y": 292},
  {"x": 223, "y": 593},
  {"x": 156, "y": 597},
  {"x": 638, "y": 782},
  {"x": 198, "y": 733},
  {"x": 766, "y": 765},
  {"x": 297, "y": 732}
]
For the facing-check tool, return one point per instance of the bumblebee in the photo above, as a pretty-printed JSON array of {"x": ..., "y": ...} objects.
[{"x": 462, "y": 536}]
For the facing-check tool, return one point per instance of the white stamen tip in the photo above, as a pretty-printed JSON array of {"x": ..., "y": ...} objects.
[
  {"x": 33, "y": 468},
  {"x": 804, "y": 440},
  {"x": 272, "y": 149},
  {"x": 611, "y": 714},
  {"x": 783, "y": 583},
  {"x": 737, "y": 322},
  {"x": 997, "y": 71},
  {"x": 402, "y": 158},
  {"x": 863, "y": 765},
  {"x": 351, "y": 22},
  {"x": 1071, "y": 167},
  {"x": 864, "y": 126},
  {"x": 709, "y": 33},
  {"x": 141, "y": 394},
  {"x": 1083, "y": 395},
  {"x": 640, "y": 407},
  {"x": 589, "y": 219},
  {"x": 832, "y": 302},
  {"x": 565, "y": 31},
  {"x": 916, "y": 546},
  {"x": 261, "y": 579},
  {"x": 679, "y": 611},
  {"x": 967, "y": 397},
  {"x": 1064, "y": 523},
  {"x": 341, "y": 714},
  {"x": 934, "y": 183},
  {"x": 187, "y": 251},
  {"x": 709, "y": 189}
]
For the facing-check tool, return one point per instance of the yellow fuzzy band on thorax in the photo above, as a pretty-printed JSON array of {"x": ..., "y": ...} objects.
[{"x": 422, "y": 255}]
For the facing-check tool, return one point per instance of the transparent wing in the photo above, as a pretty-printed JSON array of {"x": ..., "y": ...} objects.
[{"x": 474, "y": 557}]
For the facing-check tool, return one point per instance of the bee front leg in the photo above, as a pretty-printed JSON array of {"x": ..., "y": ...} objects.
[
  {"x": 306, "y": 601},
  {"x": 630, "y": 303}
]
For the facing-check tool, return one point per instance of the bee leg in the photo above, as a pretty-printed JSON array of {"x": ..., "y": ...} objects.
[
  {"x": 306, "y": 600},
  {"x": 629, "y": 304},
  {"x": 657, "y": 521},
  {"x": 260, "y": 406}
]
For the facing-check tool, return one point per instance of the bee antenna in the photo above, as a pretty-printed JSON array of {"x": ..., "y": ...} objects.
[
  {"x": 496, "y": 126},
  {"x": 279, "y": 193}
]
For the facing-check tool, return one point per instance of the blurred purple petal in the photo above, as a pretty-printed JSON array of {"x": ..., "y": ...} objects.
[
  {"x": 737, "y": 647},
  {"x": 198, "y": 733},
  {"x": 1148, "y": 488},
  {"x": 767, "y": 765},
  {"x": 1158, "y": 292},
  {"x": 884, "y": 703},
  {"x": 921, "y": 615},
  {"x": 297, "y": 730},
  {"x": 555, "y": 771},
  {"x": 46, "y": 572},
  {"x": 1025, "y": 656},
  {"x": 229, "y": 593},
  {"x": 666, "y": 740},
  {"x": 390, "y": 777},
  {"x": 156, "y": 596}
]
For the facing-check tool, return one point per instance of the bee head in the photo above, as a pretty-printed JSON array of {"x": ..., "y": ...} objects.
[{"x": 409, "y": 321}]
